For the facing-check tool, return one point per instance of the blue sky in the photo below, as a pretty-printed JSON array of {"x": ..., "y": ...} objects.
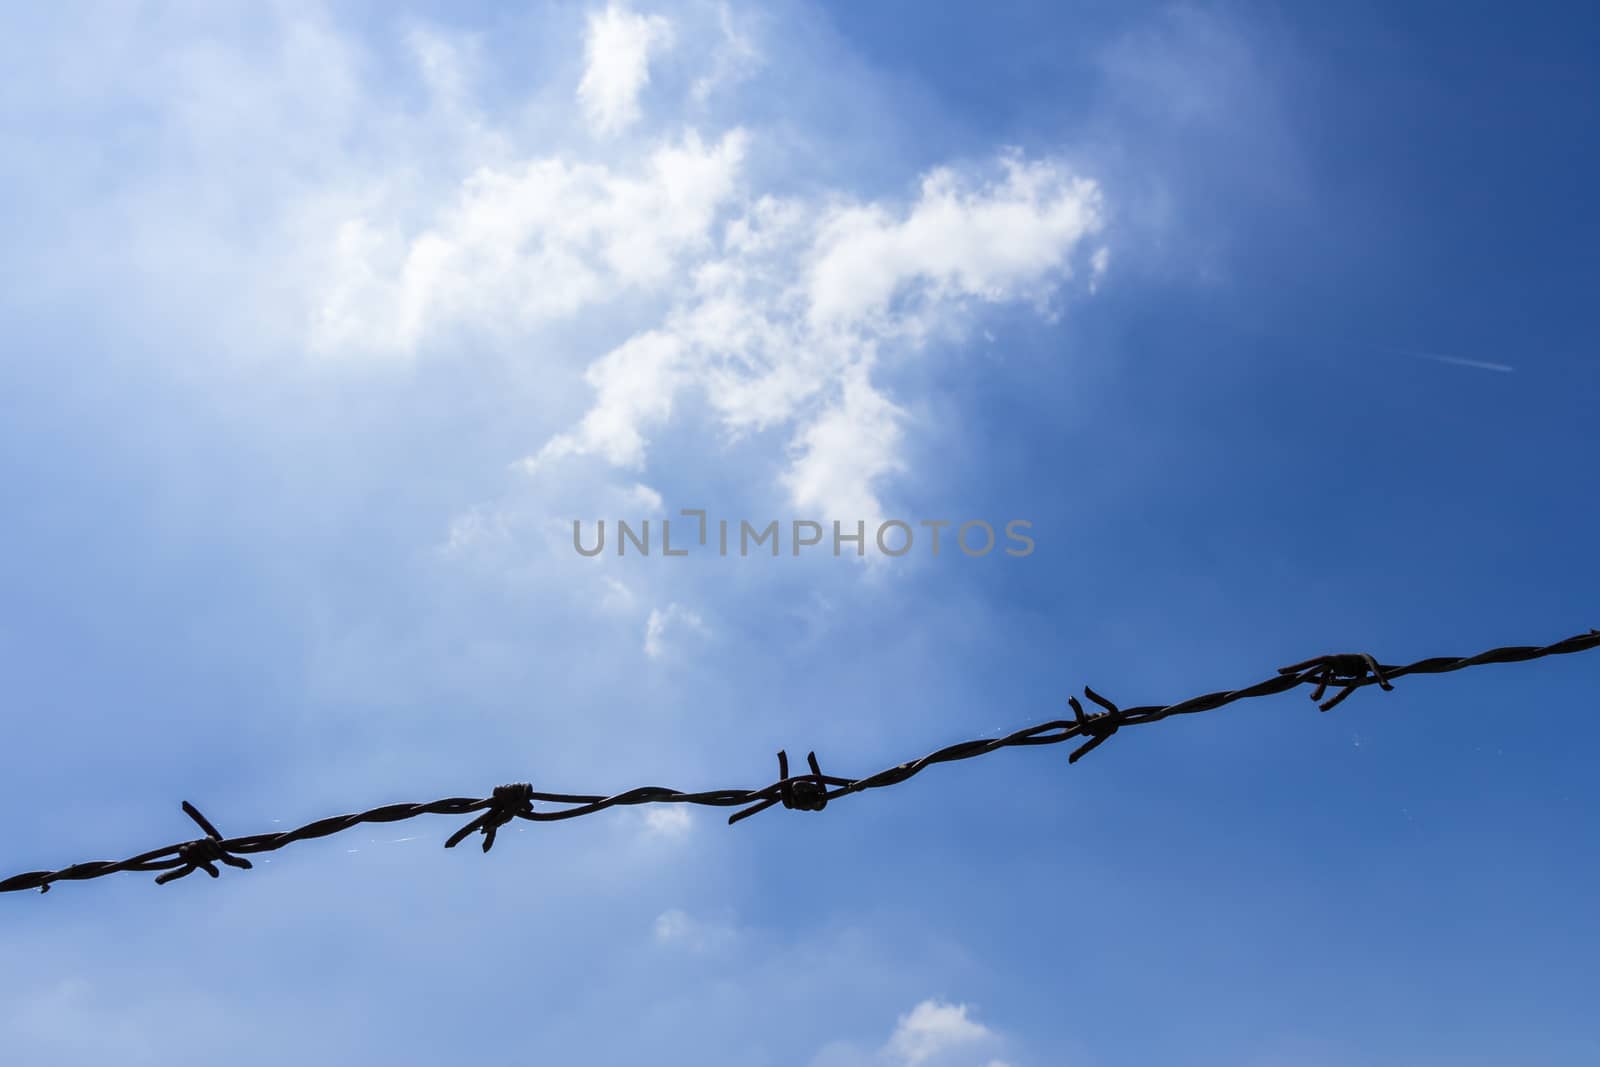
[{"x": 324, "y": 323}]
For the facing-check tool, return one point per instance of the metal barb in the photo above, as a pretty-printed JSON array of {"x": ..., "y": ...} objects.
[
  {"x": 1099, "y": 727},
  {"x": 202, "y": 854},
  {"x": 806, "y": 793},
  {"x": 508, "y": 802}
]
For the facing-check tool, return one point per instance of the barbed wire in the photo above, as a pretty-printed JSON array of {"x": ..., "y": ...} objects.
[{"x": 1345, "y": 672}]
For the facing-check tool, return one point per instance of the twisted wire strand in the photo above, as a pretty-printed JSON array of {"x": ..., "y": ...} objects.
[{"x": 1345, "y": 672}]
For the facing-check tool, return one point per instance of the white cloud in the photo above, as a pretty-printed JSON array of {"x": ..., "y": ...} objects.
[
  {"x": 935, "y": 1033},
  {"x": 996, "y": 243},
  {"x": 932, "y": 1028},
  {"x": 735, "y": 58},
  {"x": 1098, "y": 264},
  {"x": 444, "y": 68},
  {"x": 523, "y": 245},
  {"x": 784, "y": 324},
  {"x": 635, "y": 383},
  {"x": 617, "y": 56},
  {"x": 661, "y": 623},
  {"x": 618, "y": 598},
  {"x": 671, "y": 925},
  {"x": 644, "y": 498},
  {"x": 682, "y": 930},
  {"x": 671, "y": 821},
  {"x": 474, "y": 530},
  {"x": 845, "y": 451}
]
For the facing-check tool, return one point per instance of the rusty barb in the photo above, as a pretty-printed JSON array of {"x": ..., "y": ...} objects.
[
  {"x": 1351, "y": 670},
  {"x": 1095, "y": 727},
  {"x": 1346, "y": 672},
  {"x": 808, "y": 792}
]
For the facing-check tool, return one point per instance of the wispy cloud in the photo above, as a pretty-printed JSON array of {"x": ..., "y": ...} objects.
[
  {"x": 680, "y": 929},
  {"x": 675, "y": 618},
  {"x": 1454, "y": 361}
]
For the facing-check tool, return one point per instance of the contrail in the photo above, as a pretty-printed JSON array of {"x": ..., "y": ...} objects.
[{"x": 1454, "y": 360}]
